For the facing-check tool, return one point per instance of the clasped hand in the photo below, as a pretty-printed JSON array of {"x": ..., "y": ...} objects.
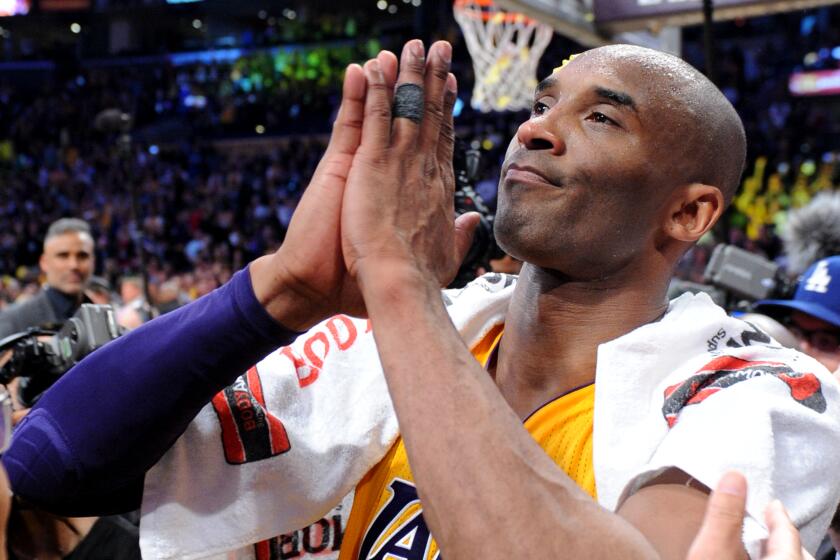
[{"x": 381, "y": 201}]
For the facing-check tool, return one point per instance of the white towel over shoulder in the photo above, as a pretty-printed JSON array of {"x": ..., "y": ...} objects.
[
  {"x": 697, "y": 390},
  {"x": 220, "y": 487}
]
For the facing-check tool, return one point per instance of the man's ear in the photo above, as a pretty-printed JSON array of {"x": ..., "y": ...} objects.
[{"x": 693, "y": 210}]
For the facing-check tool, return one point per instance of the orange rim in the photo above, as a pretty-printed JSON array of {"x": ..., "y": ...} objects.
[{"x": 476, "y": 9}]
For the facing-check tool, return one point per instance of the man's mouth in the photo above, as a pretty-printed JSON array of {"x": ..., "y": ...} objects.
[{"x": 526, "y": 174}]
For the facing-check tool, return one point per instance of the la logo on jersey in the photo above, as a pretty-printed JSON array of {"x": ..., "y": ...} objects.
[
  {"x": 399, "y": 531},
  {"x": 819, "y": 279}
]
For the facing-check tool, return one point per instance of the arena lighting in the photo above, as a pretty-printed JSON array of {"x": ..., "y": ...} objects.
[
  {"x": 629, "y": 15},
  {"x": 75, "y": 28},
  {"x": 824, "y": 82},
  {"x": 196, "y": 23},
  {"x": 392, "y": 9},
  {"x": 260, "y": 129},
  {"x": 205, "y": 57},
  {"x": 14, "y": 7},
  {"x": 195, "y": 101},
  {"x": 835, "y": 53},
  {"x": 596, "y": 22},
  {"x": 810, "y": 59},
  {"x": 459, "y": 106}
]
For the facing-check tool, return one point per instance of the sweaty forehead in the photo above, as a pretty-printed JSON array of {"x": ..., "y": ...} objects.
[{"x": 652, "y": 78}]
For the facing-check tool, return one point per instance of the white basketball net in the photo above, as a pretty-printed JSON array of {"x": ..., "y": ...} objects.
[{"x": 505, "y": 50}]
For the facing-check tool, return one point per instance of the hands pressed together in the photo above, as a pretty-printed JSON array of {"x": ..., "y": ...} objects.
[{"x": 380, "y": 203}]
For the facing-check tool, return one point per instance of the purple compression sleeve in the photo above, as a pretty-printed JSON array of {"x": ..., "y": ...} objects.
[{"x": 85, "y": 447}]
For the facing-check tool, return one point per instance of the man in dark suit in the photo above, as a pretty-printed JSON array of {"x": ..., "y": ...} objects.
[{"x": 67, "y": 263}]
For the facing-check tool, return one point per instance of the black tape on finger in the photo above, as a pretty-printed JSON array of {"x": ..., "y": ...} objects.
[{"x": 408, "y": 103}]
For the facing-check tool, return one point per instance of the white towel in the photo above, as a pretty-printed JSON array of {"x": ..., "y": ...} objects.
[
  {"x": 329, "y": 393},
  {"x": 787, "y": 448}
]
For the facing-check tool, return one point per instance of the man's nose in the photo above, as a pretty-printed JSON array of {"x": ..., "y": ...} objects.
[{"x": 535, "y": 134}]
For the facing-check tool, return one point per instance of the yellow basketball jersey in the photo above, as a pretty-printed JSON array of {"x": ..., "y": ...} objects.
[{"x": 386, "y": 521}]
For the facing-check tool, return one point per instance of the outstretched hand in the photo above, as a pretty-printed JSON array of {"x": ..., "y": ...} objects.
[
  {"x": 398, "y": 211},
  {"x": 720, "y": 534}
]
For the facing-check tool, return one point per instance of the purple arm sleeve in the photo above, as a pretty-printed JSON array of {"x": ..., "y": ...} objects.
[{"x": 86, "y": 446}]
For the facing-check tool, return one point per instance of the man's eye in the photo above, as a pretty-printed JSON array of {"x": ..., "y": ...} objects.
[
  {"x": 539, "y": 108},
  {"x": 601, "y": 118}
]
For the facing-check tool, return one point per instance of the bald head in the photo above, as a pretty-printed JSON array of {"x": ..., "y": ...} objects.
[{"x": 699, "y": 131}]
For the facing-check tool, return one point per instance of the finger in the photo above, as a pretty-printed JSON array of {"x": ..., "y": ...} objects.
[
  {"x": 783, "y": 539},
  {"x": 347, "y": 128},
  {"x": 720, "y": 533},
  {"x": 446, "y": 143},
  {"x": 435, "y": 89},
  {"x": 388, "y": 63},
  {"x": 376, "y": 128},
  {"x": 408, "y": 97},
  {"x": 465, "y": 226}
]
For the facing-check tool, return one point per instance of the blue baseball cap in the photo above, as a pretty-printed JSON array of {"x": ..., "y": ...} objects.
[{"x": 818, "y": 293}]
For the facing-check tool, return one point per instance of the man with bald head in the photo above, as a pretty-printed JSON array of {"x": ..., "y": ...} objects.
[{"x": 572, "y": 412}]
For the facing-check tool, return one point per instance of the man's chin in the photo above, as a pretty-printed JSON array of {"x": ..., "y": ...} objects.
[
  {"x": 519, "y": 237},
  {"x": 71, "y": 289}
]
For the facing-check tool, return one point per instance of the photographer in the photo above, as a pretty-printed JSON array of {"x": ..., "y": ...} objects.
[{"x": 67, "y": 262}]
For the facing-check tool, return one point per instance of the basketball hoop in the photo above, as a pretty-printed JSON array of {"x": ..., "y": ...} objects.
[{"x": 505, "y": 48}]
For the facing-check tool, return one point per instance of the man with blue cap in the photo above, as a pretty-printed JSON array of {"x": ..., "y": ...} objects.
[{"x": 813, "y": 315}]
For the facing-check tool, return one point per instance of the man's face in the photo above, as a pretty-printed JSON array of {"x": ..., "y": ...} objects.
[
  {"x": 581, "y": 188},
  {"x": 67, "y": 261},
  {"x": 817, "y": 338}
]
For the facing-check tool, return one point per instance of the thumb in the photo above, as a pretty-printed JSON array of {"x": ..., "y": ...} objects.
[
  {"x": 720, "y": 534},
  {"x": 465, "y": 225},
  {"x": 783, "y": 538}
]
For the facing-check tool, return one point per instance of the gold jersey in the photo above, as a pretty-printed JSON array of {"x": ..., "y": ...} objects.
[{"x": 386, "y": 521}]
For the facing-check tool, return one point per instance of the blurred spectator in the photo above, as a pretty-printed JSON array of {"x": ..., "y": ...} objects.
[
  {"x": 813, "y": 232},
  {"x": 99, "y": 290},
  {"x": 135, "y": 309},
  {"x": 813, "y": 314}
]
